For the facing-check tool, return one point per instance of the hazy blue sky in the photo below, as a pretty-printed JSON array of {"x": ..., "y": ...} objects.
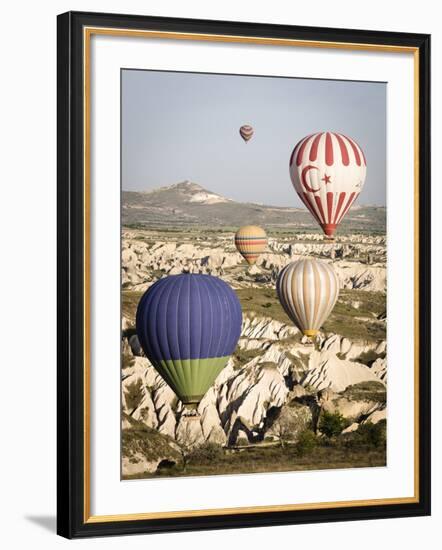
[{"x": 178, "y": 126}]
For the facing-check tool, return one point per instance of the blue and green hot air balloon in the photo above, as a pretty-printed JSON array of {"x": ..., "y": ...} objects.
[{"x": 188, "y": 326}]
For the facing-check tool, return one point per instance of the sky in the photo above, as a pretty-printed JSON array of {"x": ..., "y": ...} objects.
[{"x": 184, "y": 126}]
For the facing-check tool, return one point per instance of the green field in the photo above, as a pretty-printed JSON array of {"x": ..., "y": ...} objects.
[{"x": 355, "y": 315}]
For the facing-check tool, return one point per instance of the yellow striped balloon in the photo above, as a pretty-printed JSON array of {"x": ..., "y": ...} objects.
[
  {"x": 308, "y": 290},
  {"x": 251, "y": 241}
]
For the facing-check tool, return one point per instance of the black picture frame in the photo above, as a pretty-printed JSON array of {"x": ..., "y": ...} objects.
[{"x": 73, "y": 521}]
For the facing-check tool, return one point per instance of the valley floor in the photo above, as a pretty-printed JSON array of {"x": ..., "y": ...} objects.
[
  {"x": 260, "y": 459},
  {"x": 326, "y": 402}
]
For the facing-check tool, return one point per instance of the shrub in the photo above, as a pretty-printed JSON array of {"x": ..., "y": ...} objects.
[
  {"x": 373, "y": 434},
  {"x": 207, "y": 452},
  {"x": 306, "y": 443},
  {"x": 332, "y": 424},
  {"x": 133, "y": 395}
]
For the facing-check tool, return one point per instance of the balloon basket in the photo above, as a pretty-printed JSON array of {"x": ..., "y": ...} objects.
[
  {"x": 191, "y": 418},
  {"x": 310, "y": 337},
  {"x": 190, "y": 411}
]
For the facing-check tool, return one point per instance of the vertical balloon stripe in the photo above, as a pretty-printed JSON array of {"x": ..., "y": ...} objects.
[
  {"x": 296, "y": 149},
  {"x": 160, "y": 345},
  {"x": 355, "y": 151},
  {"x": 283, "y": 290},
  {"x": 195, "y": 325},
  {"x": 324, "y": 285},
  {"x": 295, "y": 301},
  {"x": 310, "y": 206},
  {"x": 229, "y": 316},
  {"x": 220, "y": 321},
  {"x": 321, "y": 210},
  {"x": 344, "y": 152},
  {"x": 292, "y": 156},
  {"x": 319, "y": 299},
  {"x": 339, "y": 206},
  {"x": 299, "y": 277},
  {"x": 310, "y": 299},
  {"x": 363, "y": 155},
  {"x": 328, "y": 149},
  {"x": 151, "y": 305},
  {"x": 331, "y": 295},
  {"x": 305, "y": 294},
  {"x": 213, "y": 307},
  {"x": 195, "y": 345},
  {"x": 300, "y": 154},
  {"x": 314, "y": 148},
  {"x": 184, "y": 318},
  {"x": 347, "y": 206},
  {"x": 170, "y": 332},
  {"x": 329, "y": 207}
]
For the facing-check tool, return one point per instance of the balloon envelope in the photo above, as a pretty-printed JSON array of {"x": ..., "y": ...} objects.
[
  {"x": 251, "y": 241},
  {"x": 328, "y": 172},
  {"x": 308, "y": 290},
  {"x": 188, "y": 325},
  {"x": 246, "y": 132}
]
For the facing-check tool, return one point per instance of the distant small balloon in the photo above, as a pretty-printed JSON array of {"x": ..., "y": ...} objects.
[
  {"x": 308, "y": 290},
  {"x": 250, "y": 241},
  {"x": 246, "y": 132}
]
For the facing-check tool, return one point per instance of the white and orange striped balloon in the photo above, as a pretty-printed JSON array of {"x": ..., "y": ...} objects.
[
  {"x": 328, "y": 172},
  {"x": 246, "y": 132},
  {"x": 308, "y": 290},
  {"x": 251, "y": 241}
]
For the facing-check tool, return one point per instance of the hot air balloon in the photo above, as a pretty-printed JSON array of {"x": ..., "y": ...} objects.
[
  {"x": 250, "y": 240},
  {"x": 246, "y": 132},
  {"x": 308, "y": 290},
  {"x": 328, "y": 172},
  {"x": 188, "y": 325}
]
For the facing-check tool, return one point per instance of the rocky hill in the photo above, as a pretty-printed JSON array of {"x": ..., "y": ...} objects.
[
  {"x": 273, "y": 373},
  {"x": 187, "y": 204},
  {"x": 360, "y": 261}
]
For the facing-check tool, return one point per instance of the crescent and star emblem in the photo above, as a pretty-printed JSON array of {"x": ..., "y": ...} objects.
[{"x": 304, "y": 172}]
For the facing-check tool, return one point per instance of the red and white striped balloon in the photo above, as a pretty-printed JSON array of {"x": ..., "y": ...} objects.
[
  {"x": 246, "y": 132},
  {"x": 328, "y": 172}
]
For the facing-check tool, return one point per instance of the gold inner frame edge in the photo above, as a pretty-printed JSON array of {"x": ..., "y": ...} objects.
[{"x": 134, "y": 33}]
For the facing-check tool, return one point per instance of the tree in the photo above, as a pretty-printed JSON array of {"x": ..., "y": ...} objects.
[
  {"x": 289, "y": 423},
  {"x": 307, "y": 441},
  {"x": 373, "y": 434},
  {"x": 188, "y": 436},
  {"x": 332, "y": 424}
]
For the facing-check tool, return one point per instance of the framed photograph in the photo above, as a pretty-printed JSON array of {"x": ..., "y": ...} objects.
[{"x": 243, "y": 256}]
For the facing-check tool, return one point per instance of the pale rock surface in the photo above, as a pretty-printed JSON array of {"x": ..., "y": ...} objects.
[
  {"x": 376, "y": 416},
  {"x": 189, "y": 431},
  {"x": 265, "y": 327},
  {"x": 350, "y": 409},
  {"x": 352, "y": 428},
  {"x": 379, "y": 368},
  {"x": 327, "y": 371},
  {"x": 139, "y": 258}
]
